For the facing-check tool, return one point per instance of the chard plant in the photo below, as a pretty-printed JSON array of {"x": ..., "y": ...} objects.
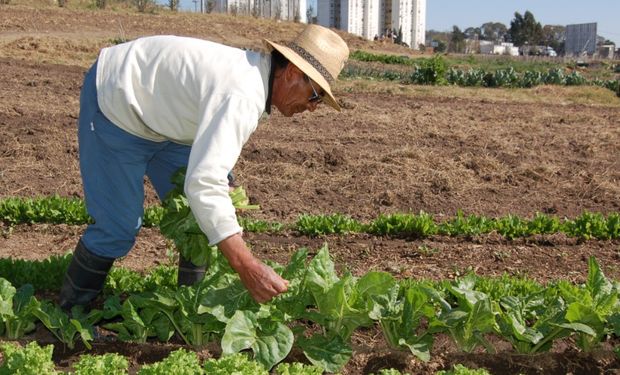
[
  {"x": 67, "y": 329},
  {"x": 179, "y": 224},
  {"x": 340, "y": 309},
  {"x": 471, "y": 319},
  {"x": 402, "y": 313},
  {"x": 16, "y": 310},
  {"x": 196, "y": 328},
  {"x": 140, "y": 320},
  {"x": 591, "y": 307}
]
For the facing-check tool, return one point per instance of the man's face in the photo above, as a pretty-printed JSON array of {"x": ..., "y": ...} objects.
[{"x": 300, "y": 93}]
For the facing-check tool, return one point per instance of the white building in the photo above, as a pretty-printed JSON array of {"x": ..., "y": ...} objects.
[
  {"x": 490, "y": 48},
  {"x": 290, "y": 10},
  {"x": 380, "y": 18}
]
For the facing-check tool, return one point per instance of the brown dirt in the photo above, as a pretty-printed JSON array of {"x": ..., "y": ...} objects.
[{"x": 392, "y": 149}]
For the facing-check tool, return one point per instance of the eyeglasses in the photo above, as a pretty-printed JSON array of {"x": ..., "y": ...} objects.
[{"x": 315, "y": 98}]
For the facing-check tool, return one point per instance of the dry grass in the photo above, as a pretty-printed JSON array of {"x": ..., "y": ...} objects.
[{"x": 560, "y": 95}]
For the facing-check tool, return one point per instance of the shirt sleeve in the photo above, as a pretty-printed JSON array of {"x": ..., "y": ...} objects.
[{"x": 226, "y": 124}]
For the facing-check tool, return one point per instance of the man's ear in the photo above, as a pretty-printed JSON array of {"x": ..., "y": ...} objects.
[{"x": 292, "y": 73}]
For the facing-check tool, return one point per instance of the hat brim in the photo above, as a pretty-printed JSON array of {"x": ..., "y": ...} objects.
[{"x": 308, "y": 69}]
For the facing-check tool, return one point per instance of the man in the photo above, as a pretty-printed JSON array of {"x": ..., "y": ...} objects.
[{"x": 155, "y": 104}]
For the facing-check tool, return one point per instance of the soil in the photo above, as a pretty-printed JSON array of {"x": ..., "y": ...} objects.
[{"x": 390, "y": 150}]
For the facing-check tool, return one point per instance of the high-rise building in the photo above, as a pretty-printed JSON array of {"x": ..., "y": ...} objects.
[
  {"x": 404, "y": 20},
  {"x": 290, "y": 10}
]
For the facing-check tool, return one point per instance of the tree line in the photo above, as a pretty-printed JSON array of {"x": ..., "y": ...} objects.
[{"x": 524, "y": 30}]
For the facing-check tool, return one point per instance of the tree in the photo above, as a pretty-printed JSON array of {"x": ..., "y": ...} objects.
[
  {"x": 173, "y": 5},
  {"x": 472, "y": 33},
  {"x": 524, "y": 29},
  {"x": 441, "y": 46},
  {"x": 457, "y": 40},
  {"x": 554, "y": 37},
  {"x": 493, "y": 31}
]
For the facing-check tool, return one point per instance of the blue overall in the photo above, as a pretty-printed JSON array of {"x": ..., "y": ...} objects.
[{"x": 113, "y": 164}]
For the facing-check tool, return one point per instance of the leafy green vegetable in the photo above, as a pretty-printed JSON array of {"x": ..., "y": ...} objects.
[
  {"x": 179, "y": 224},
  {"x": 401, "y": 318},
  {"x": 314, "y": 225},
  {"x": 271, "y": 341},
  {"x": 179, "y": 362},
  {"x": 297, "y": 368},
  {"x": 197, "y": 328},
  {"x": 67, "y": 329},
  {"x": 591, "y": 306},
  {"x": 140, "y": 319},
  {"x": 106, "y": 364},
  {"x": 233, "y": 364},
  {"x": 29, "y": 360},
  {"x": 44, "y": 274},
  {"x": 16, "y": 307},
  {"x": 462, "y": 370},
  {"x": 418, "y": 226},
  {"x": 330, "y": 354},
  {"x": 473, "y": 317}
]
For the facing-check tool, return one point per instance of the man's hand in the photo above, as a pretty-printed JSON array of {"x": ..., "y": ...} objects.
[{"x": 262, "y": 282}]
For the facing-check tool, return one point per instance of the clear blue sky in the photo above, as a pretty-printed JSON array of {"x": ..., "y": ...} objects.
[{"x": 441, "y": 15}]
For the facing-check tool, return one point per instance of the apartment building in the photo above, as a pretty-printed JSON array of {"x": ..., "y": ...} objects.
[
  {"x": 376, "y": 18},
  {"x": 289, "y": 10}
]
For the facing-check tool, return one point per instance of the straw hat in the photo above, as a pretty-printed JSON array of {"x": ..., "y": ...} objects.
[{"x": 320, "y": 53}]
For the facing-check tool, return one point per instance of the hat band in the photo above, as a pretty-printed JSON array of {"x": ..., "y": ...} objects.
[{"x": 311, "y": 60}]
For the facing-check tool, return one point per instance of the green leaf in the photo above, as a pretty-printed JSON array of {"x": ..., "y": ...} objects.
[
  {"x": 321, "y": 271},
  {"x": 330, "y": 354},
  {"x": 270, "y": 341}
]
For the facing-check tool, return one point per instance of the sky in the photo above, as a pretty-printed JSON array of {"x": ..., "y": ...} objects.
[{"x": 442, "y": 15}]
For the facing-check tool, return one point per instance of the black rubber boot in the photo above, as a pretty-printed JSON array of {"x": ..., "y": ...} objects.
[
  {"x": 189, "y": 273},
  {"x": 84, "y": 278}
]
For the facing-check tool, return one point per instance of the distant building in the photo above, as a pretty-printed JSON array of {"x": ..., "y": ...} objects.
[
  {"x": 606, "y": 51},
  {"x": 490, "y": 48},
  {"x": 580, "y": 39},
  {"x": 377, "y": 18},
  {"x": 289, "y": 10}
]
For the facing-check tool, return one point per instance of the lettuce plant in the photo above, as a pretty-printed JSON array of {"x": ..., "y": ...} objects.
[
  {"x": 106, "y": 364},
  {"x": 31, "y": 359},
  {"x": 179, "y": 362},
  {"x": 237, "y": 364}
]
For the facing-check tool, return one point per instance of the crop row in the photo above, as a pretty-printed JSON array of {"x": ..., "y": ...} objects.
[
  {"x": 60, "y": 210},
  {"x": 432, "y": 71},
  {"x": 322, "y": 310},
  {"x": 34, "y": 359},
  {"x": 47, "y": 275}
]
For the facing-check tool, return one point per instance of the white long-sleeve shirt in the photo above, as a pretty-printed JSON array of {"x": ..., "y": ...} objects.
[{"x": 193, "y": 92}]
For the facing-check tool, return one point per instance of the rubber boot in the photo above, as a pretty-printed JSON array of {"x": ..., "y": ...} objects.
[
  {"x": 84, "y": 278},
  {"x": 189, "y": 273}
]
